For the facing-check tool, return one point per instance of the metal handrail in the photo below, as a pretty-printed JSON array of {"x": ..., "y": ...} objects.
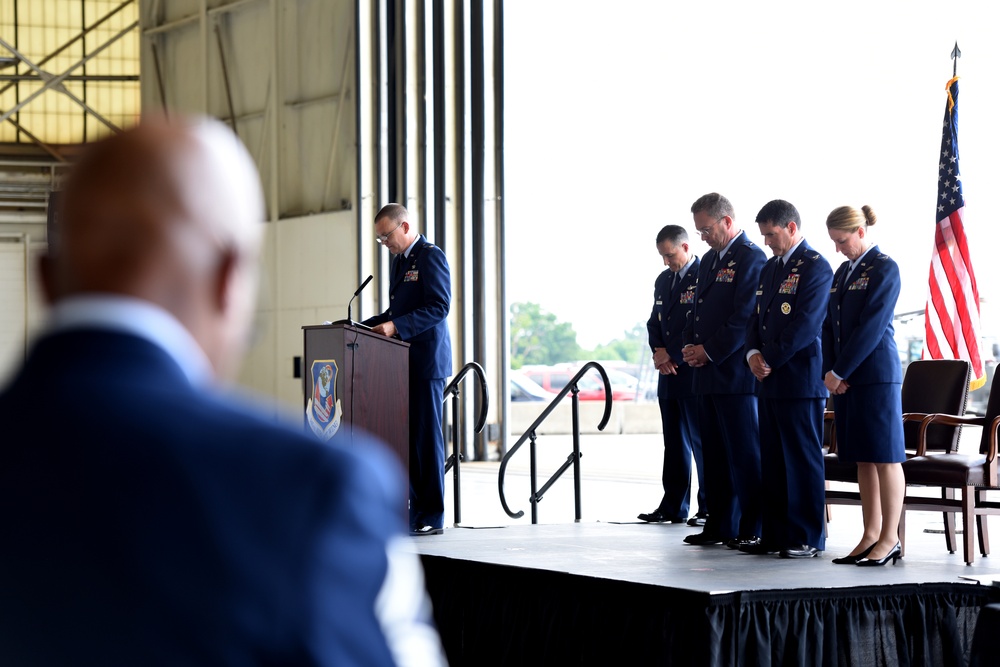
[
  {"x": 456, "y": 451},
  {"x": 572, "y": 460}
]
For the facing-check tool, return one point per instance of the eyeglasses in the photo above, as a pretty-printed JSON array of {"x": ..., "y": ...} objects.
[
  {"x": 704, "y": 232},
  {"x": 382, "y": 238}
]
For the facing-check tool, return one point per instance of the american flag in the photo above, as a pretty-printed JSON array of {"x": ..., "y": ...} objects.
[{"x": 952, "y": 317}]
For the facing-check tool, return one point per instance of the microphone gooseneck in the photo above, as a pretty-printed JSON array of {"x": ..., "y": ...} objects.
[{"x": 356, "y": 293}]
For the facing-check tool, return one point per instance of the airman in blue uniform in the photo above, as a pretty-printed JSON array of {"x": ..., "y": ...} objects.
[
  {"x": 419, "y": 301},
  {"x": 861, "y": 369},
  {"x": 783, "y": 350},
  {"x": 715, "y": 335},
  {"x": 673, "y": 300}
]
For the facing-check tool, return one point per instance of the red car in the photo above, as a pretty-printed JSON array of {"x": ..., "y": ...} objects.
[{"x": 554, "y": 378}]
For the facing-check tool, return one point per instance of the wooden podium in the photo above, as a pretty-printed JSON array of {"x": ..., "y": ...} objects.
[{"x": 372, "y": 384}]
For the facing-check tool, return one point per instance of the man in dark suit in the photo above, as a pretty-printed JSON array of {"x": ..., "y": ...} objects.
[
  {"x": 716, "y": 332},
  {"x": 784, "y": 352},
  {"x": 419, "y": 301},
  {"x": 149, "y": 518},
  {"x": 673, "y": 299}
]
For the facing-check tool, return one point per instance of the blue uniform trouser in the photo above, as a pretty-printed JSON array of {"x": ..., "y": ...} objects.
[
  {"x": 426, "y": 453},
  {"x": 681, "y": 440},
  {"x": 791, "y": 457},
  {"x": 731, "y": 447}
]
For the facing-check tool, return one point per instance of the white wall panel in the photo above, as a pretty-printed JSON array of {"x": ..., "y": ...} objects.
[
  {"x": 22, "y": 308},
  {"x": 317, "y": 78},
  {"x": 182, "y": 68},
  {"x": 12, "y": 305}
]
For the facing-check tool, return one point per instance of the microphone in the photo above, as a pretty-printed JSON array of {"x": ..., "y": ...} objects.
[
  {"x": 356, "y": 293},
  {"x": 348, "y": 321}
]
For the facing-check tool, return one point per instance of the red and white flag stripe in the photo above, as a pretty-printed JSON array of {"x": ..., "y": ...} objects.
[{"x": 953, "y": 322}]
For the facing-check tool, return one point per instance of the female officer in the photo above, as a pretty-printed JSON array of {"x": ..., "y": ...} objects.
[{"x": 862, "y": 370}]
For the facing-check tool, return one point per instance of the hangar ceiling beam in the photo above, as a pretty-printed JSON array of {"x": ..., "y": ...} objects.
[{"x": 55, "y": 82}]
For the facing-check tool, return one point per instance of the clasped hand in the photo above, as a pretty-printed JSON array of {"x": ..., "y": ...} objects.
[
  {"x": 835, "y": 385},
  {"x": 759, "y": 367},
  {"x": 663, "y": 362},
  {"x": 695, "y": 355}
]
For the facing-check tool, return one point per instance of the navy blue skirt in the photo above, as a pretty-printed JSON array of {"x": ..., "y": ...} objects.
[{"x": 869, "y": 421}]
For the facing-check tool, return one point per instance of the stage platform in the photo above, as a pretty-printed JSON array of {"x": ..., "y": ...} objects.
[{"x": 612, "y": 591}]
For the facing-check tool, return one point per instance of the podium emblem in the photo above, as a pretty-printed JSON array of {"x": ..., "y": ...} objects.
[{"x": 323, "y": 410}]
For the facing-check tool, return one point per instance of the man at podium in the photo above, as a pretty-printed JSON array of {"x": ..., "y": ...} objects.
[{"x": 419, "y": 301}]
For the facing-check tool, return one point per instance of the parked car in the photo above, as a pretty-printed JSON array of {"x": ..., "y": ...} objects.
[
  {"x": 523, "y": 389},
  {"x": 554, "y": 378},
  {"x": 623, "y": 383}
]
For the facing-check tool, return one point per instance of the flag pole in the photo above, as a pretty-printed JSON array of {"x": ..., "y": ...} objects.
[{"x": 952, "y": 322}]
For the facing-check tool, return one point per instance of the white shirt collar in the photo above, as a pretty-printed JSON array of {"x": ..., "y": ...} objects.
[
  {"x": 791, "y": 251},
  {"x": 855, "y": 263},
  {"x": 139, "y": 318},
  {"x": 684, "y": 269},
  {"x": 729, "y": 245},
  {"x": 406, "y": 253}
]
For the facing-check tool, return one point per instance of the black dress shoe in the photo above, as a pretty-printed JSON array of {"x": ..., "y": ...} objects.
[
  {"x": 698, "y": 519},
  {"x": 759, "y": 548},
  {"x": 426, "y": 530},
  {"x": 853, "y": 560},
  {"x": 704, "y": 538},
  {"x": 656, "y": 516},
  {"x": 800, "y": 551},
  {"x": 895, "y": 554},
  {"x": 740, "y": 542}
]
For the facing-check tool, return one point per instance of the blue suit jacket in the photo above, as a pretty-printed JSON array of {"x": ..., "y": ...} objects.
[
  {"x": 724, "y": 298},
  {"x": 147, "y": 522},
  {"x": 666, "y": 327},
  {"x": 419, "y": 301},
  {"x": 787, "y": 321},
  {"x": 858, "y": 341}
]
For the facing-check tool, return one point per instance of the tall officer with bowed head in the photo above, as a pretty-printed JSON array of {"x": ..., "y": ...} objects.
[
  {"x": 783, "y": 351},
  {"x": 149, "y": 516},
  {"x": 862, "y": 370},
  {"x": 673, "y": 300},
  {"x": 419, "y": 301},
  {"x": 716, "y": 332}
]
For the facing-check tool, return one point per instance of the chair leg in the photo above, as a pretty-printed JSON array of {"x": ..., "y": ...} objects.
[
  {"x": 968, "y": 523},
  {"x": 983, "y": 524},
  {"x": 901, "y": 531},
  {"x": 829, "y": 513},
  {"x": 949, "y": 521}
]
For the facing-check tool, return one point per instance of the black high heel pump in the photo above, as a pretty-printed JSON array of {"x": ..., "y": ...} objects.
[
  {"x": 895, "y": 554},
  {"x": 853, "y": 560}
]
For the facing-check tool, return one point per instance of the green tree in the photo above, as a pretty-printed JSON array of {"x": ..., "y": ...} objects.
[
  {"x": 536, "y": 337},
  {"x": 631, "y": 347}
]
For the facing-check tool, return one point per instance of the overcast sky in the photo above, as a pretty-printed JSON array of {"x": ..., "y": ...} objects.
[{"x": 620, "y": 114}]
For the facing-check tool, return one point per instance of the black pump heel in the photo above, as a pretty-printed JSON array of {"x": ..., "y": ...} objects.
[
  {"x": 853, "y": 560},
  {"x": 895, "y": 554}
]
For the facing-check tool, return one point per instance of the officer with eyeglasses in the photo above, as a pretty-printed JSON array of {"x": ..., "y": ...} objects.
[
  {"x": 419, "y": 301},
  {"x": 715, "y": 335}
]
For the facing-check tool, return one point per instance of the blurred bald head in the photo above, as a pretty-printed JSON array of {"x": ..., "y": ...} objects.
[{"x": 170, "y": 213}]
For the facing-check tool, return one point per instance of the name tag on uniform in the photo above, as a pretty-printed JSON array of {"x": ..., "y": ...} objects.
[
  {"x": 725, "y": 276},
  {"x": 688, "y": 296},
  {"x": 790, "y": 285},
  {"x": 411, "y": 276}
]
